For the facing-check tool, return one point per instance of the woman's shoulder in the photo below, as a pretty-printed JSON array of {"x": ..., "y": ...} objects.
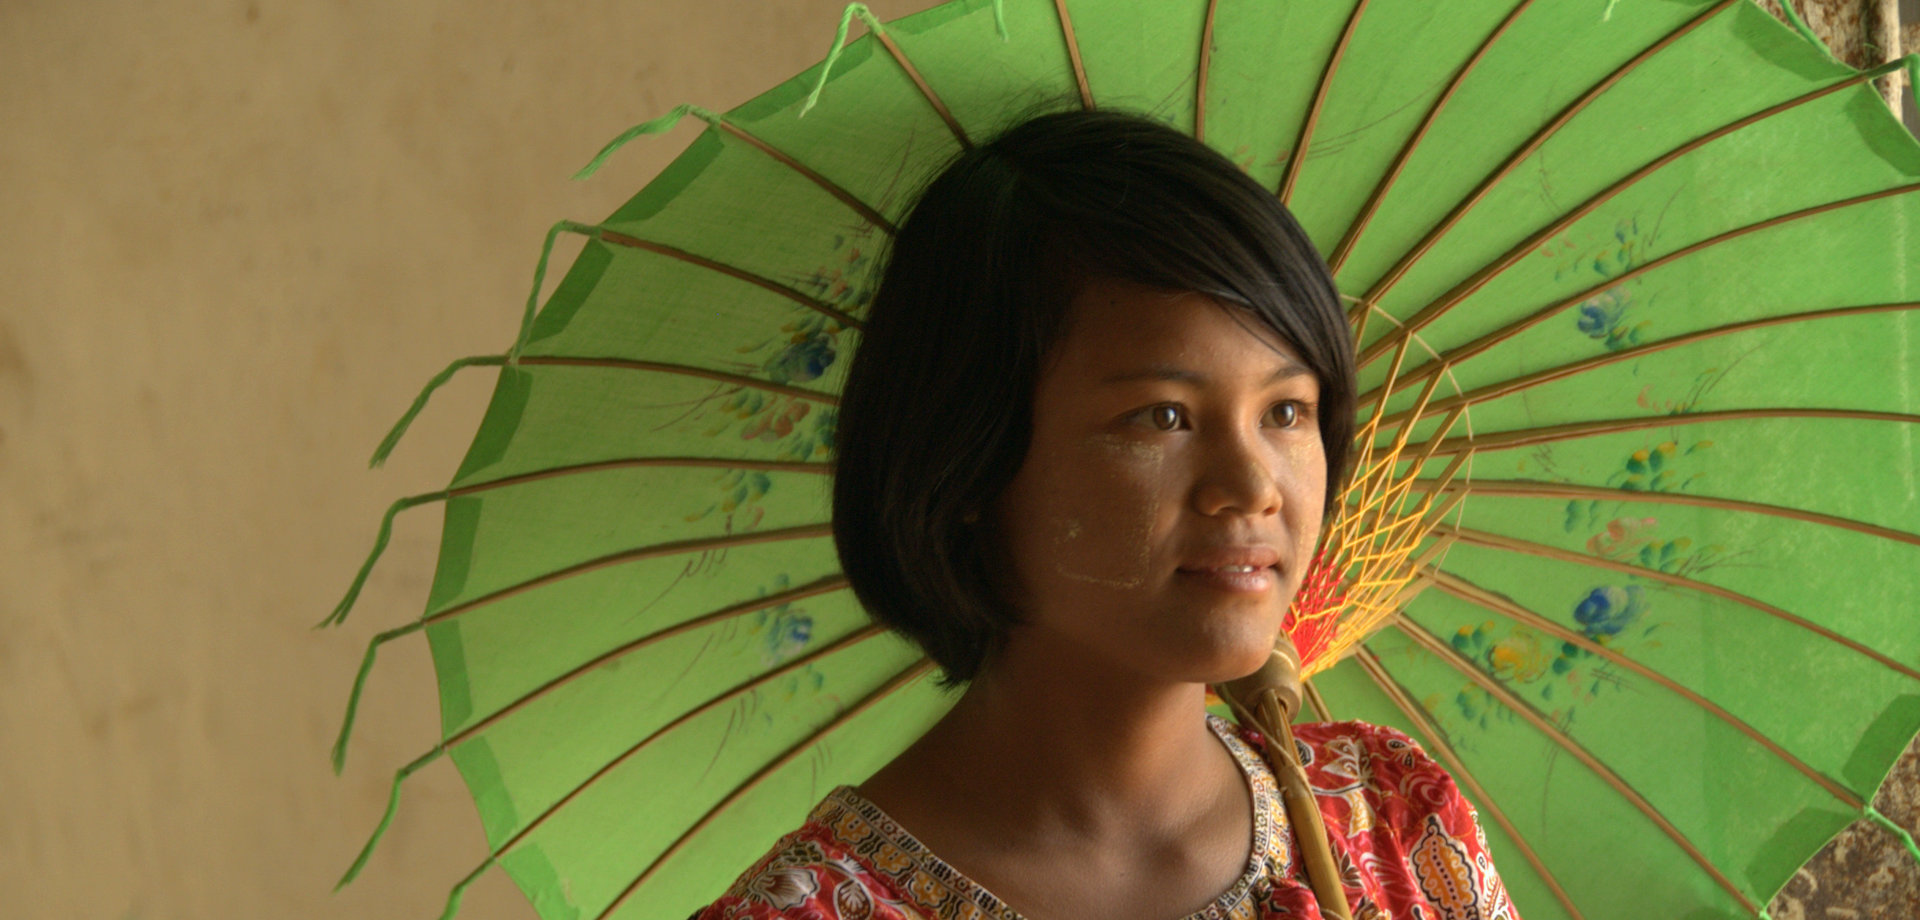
[
  {"x": 813, "y": 873},
  {"x": 1347, "y": 745},
  {"x": 1351, "y": 755},
  {"x": 1380, "y": 738}
]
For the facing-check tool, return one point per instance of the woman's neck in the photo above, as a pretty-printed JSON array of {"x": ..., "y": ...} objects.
[{"x": 1051, "y": 752}]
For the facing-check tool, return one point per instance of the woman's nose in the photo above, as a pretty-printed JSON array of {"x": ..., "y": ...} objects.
[{"x": 1237, "y": 475}]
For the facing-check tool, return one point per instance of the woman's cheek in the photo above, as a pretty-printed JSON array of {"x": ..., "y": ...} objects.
[{"x": 1105, "y": 531}]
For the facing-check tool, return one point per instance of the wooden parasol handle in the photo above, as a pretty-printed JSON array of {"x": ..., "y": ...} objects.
[{"x": 1265, "y": 701}]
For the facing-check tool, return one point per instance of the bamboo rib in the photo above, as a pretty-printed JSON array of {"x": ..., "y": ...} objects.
[
  {"x": 453, "y": 896},
  {"x": 674, "y": 548},
  {"x": 1548, "y": 434},
  {"x": 812, "y": 303},
  {"x": 1427, "y": 314},
  {"x": 1527, "y": 489},
  {"x": 926, "y": 91},
  {"x": 1073, "y": 54},
  {"x": 845, "y": 642},
  {"x": 826, "y": 585},
  {"x": 1315, "y": 701},
  {"x": 1513, "y": 544},
  {"x": 1359, "y": 226},
  {"x": 1526, "y": 150},
  {"x": 1538, "y": 378},
  {"x": 1505, "y": 606},
  {"x": 1298, "y": 157},
  {"x": 660, "y": 367},
  {"x": 385, "y": 533},
  {"x": 912, "y": 673},
  {"x": 1358, "y": 312},
  {"x": 1200, "y": 73},
  {"x": 1456, "y": 355},
  {"x": 828, "y": 185},
  {"x": 664, "y": 549},
  {"x": 1540, "y": 723},
  {"x": 600, "y": 466},
  {"x": 1438, "y": 741}
]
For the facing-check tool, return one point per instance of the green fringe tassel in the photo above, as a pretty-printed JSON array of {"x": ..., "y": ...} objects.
[
  {"x": 393, "y": 805},
  {"x": 540, "y": 277},
  {"x": 839, "y": 45},
  {"x": 392, "y": 439},
  {"x": 339, "y": 614},
  {"x": 459, "y": 891},
  {"x": 656, "y": 126},
  {"x": 1800, "y": 26},
  {"x": 1913, "y": 849},
  {"x": 1000, "y": 18},
  {"x": 359, "y": 684}
]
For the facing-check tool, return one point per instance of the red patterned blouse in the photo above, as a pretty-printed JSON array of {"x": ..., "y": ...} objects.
[{"x": 1410, "y": 845}]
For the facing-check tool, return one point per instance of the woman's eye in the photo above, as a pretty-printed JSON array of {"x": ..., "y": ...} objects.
[
  {"x": 1285, "y": 415},
  {"x": 1164, "y": 418}
]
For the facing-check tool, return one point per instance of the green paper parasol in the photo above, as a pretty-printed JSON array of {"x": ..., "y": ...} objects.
[{"x": 1638, "y": 339}]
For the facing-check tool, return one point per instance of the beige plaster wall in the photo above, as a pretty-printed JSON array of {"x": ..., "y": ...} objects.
[{"x": 235, "y": 238}]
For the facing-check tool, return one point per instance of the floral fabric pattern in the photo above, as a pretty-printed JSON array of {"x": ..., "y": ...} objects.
[{"x": 1408, "y": 845}]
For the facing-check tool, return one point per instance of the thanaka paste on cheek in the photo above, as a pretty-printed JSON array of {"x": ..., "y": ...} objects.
[{"x": 1146, "y": 461}]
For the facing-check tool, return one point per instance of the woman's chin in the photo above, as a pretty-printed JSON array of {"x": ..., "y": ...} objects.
[{"x": 1218, "y": 663}]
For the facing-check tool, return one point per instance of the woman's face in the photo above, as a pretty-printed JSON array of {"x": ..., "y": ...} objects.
[{"x": 1171, "y": 497}]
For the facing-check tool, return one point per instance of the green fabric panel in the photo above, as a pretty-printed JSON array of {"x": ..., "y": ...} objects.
[
  {"x": 1142, "y": 57},
  {"x": 1665, "y": 750},
  {"x": 561, "y": 739},
  {"x": 1857, "y": 592},
  {"x": 663, "y": 414},
  {"x": 1563, "y": 809},
  {"x": 1353, "y": 695},
  {"x": 794, "y": 221},
  {"x": 459, "y": 524},
  {"x": 986, "y": 81},
  {"x": 549, "y": 891},
  {"x": 450, "y": 664},
  {"x": 547, "y": 525},
  {"x": 690, "y": 165},
  {"x": 498, "y": 428},
  {"x": 580, "y": 282},
  {"x": 694, "y": 876},
  {"x": 771, "y": 337},
  {"x": 878, "y": 145},
  {"x": 1266, "y": 67},
  {"x": 1506, "y": 99},
  {"x": 1691, "y": 201},
  {"x": 519, "y": 643},
  {"x": 1613, "y": 136},
  {"x": 1367, "y": 120},
  {"x": 1883, "y": 742},
  {"x": 1786, "y": 850},
  {"x": 603, "y": 857},
  {"x": 490, "y": 791}
]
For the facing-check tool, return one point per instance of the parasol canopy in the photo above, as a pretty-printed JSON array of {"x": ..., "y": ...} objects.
[{"x": 1633, "y": 542}]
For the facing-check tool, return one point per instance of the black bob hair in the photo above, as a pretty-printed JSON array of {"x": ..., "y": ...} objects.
[{"x": 937, "y": 411}]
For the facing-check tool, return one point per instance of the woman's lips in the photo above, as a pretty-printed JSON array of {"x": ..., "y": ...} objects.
[
  {"x": 1235, "y": 569},
  {"x": 1233, "y": 579}
]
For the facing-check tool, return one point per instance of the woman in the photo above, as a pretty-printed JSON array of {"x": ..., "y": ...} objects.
[{"x": 1085, "y": 454}]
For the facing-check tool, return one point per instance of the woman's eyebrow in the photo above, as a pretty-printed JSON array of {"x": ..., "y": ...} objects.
[{"x": 1286, "y": 371}]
